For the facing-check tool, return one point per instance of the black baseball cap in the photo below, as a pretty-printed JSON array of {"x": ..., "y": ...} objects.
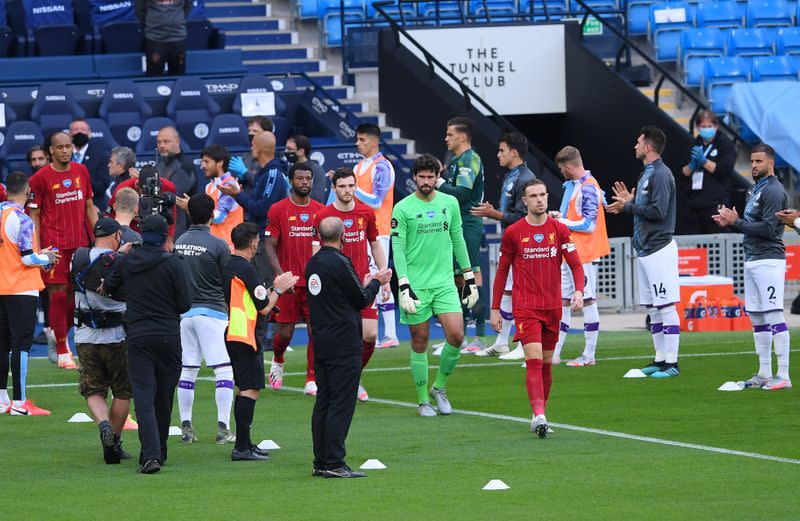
[
  {"x": 106, "y": 226},
  {"x": 154, "y": 223}
]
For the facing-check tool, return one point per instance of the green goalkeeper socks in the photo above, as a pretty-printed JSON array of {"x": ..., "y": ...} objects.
[
  {"x": 419, "y": 371},
  {"x": 449, "y": 358}
]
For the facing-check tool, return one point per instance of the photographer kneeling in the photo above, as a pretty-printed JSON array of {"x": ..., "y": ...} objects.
[
  {"x": 100, "y": 337},
  {"x": 157, "y": 290}
]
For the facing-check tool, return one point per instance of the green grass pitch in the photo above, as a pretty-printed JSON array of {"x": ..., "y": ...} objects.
[{"x": 610, "y": 456}]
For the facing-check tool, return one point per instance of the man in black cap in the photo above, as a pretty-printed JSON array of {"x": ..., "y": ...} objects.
[
  {"x": 100, "y": 338},
  {"x": 335, "y": 299},
  {"x": 157, "y": 290}
]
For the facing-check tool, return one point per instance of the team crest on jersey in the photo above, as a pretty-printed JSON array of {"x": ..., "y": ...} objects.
[
  {"x": 539, "y": 237},
  {"x": 551, "y": 238},
  {"x": 78, "y": 182},
  {"x": 304, "y": 217},
  {"x": 431, "y": 214},
  {"x": 646, "y": 182},
  {"x": 360, "y": 222},
  {"x": 348, "y": 222},
  {"x": 67, "y": 182}
]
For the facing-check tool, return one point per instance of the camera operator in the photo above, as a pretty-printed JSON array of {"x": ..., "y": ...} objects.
[
  {"x": 148, "y": 180},
  {"x": 100, "y": 338},
  {"x": 157, "y": 290}
]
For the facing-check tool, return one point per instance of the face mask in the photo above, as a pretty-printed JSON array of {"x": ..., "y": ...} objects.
[
  {"x": 291, "y": 157},
  {"x": 80, "y": 139},
  {"x": 708, "y": 133}
]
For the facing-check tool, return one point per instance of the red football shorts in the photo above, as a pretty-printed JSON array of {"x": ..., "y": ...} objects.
[
  {"x": 370, "y": 312},
  {"x": 539, "y": 326},
  {"x": 59, "y": 274},
  {"x": 293, "y": 307}
]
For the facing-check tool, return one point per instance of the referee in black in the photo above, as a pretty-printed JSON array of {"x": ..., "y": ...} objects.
[{"x": 335, "y": 299}]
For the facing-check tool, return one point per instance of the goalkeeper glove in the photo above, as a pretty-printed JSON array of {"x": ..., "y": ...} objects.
[
  {"x": 237, "y": 167},
  {"x": 408, "y": 299},
  {"x": 469, "y": 293}
]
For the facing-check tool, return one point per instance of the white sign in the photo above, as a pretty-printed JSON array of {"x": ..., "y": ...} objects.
[
  {"x": 2, "y": 115},
  {"x": 670, "y": 16},
  {"x": 515, "y": 69},
  {"x": 258, "y": 104}
]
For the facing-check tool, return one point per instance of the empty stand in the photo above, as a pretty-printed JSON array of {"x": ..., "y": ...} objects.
[
  {"x": 124, "y": 108},
  {"x": 718, "y": 76},
  {"x": 229, "y": 130},
  {"x": 191, "y": 108},
  {"x": 696, "y": 45},
  {"x": 55, "y": 108}
]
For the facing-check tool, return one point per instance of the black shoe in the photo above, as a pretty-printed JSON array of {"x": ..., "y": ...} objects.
[
  {"x": 260, "y": 452},
  {"x": 344, "y": 472},
  {"x": 317, "y": 473},
  {"x": 106, "y": 434},
  {"x": 150, "y": 466},
  {"x": 247, "y": 455},
  {"x": 120, "y": 450}
]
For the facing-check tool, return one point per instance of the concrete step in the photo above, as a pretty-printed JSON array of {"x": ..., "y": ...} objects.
[
  {"x": 237, "y": 9},
  {"x": 249, "y": 23},
  {"x": 284, "y": 66},
  {"x": 379, "y": 118},
  {"x": 276, "y": 52},
  {"x": 239, "y": 38}
]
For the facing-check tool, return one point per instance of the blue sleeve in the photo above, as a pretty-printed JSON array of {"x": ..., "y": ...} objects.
[
  {"x": 25, "y": 232},
  {"x": 224, "y": 207},
  {"x": 258, "y": 203},
  {"x": 589, "y": 203},
  {"x": 381, "y": 183}
]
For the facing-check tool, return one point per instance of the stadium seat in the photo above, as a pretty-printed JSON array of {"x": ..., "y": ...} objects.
[
  {"x": 19, "y": 137},
  {"x": 120, "y": 37},
  {"x": 55, "y": 108},
  {"x": 201, "y": 34},
  {"x": 307, "y": 9},
  {"x": 769, "y": 13},
  {"x": 51, "y": 29},
  {"x": 101, "y": 132},
  {"x": 198, "y": 11},
  {"x": 191, "y": 107},
  {"x": 495, "y": 8},
  {"x": 7, "y": 41},
  {"x": 723, "y": 15},
  {"x": 229, "y": 130},
  {"x": 789, "y": 41},
  {"x": 747, "y": 43},
  {"x": 638, "y": 16},
  {"x": 257, "y": 83},
  {"x": 697, "y": 45},
  {"x": 394, "y": 10},
  {"x": 597, "y": 5},
  {"x": 146, "y": 144},
  {"x": 771, "y": 68},
  {"x": 11, "y": 115},
  {"x": 12, "y": 15},
  {"x": 331, "y": 19},
  {"x": 718, "y": 76},
  {"x": 124, "y": 109},
  {"x": 83, "y": 20},
  {"x": 55, "y": 40},
  {"x": 666, "y": 23},
  {"x": 447, "y": 9},
  {"x": 281, "y": 129}
]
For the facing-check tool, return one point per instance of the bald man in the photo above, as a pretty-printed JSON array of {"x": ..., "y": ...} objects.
[
  {"x": 171, "y": 164},
  {"x": 335, "y": 298}
]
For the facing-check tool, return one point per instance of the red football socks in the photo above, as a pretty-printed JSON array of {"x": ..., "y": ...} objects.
[
  {"x": 367, "y": 348},
  {"x": 59, "y": 320},
  {"x": 534, "y": 384},
  {"x": 547, "y": 380},
  {"x": 279, "y": 345},
  {"x": 310, "y": 377}
]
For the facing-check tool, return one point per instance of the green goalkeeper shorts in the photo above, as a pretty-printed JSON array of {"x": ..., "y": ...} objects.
[{"x": 432, "y": 302}]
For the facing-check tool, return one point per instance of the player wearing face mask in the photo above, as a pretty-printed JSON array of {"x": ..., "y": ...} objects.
[
  {"x": 706, "y": 180},
  {"x": 298, "y": 151}
]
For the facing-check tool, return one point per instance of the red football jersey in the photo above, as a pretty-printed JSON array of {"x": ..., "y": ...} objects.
[
  {"x": 166, "y": 186},
  {"x": 360, "y": 229},
  {"x": 292, "y": 226},
  {"x": 61, "y": 198},
  {"x": 536, "y": 253}
]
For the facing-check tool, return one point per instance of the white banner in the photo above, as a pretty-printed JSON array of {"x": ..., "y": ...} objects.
[{"x": 515, "y": 69}]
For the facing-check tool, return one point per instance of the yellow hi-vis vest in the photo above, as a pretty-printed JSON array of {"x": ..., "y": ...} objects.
[{"x": 243, "y": 315}]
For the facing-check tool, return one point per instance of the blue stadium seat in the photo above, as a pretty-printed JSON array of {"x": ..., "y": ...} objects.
[
  {"x": 52, "y": 30},
  {"x": 718, "y": 76},
  {"x": 146, "y": 144},
  {"x": 11, "y": 115},
  {"x": 101, "y": 132},
  {"x": 747, "y": 43},
  {"x": 307, "y": 9},
  {"x": 770, "y": 68},
  {"x": 19, "y": 137},
  {"x": 257, "y": 83},
  {"x": 666, "y": 23},
  {"x": 201, "y": 34},
  {"x": 198, "y": 11},
  {"x": 446, "y": 9},
  {"x": 495, "y": 8},
  {"x": 789, "y": 41},
  {"x": 638, "y": 16},
  {"x": 55, "y": 108},
  {"x": 281, "y": 129},
  {"x": 597, "y": 5},
  {"x": 191, "y": 107},
  {"x": 229, "y": 130},
  {"x": 13, "y": 16},
  {"x": 83, "y": 19},
  {"x": 769, "y": 13},
  {"x": 331, "y": 19},
  {"x": 723, "y": 15},
  {"x": 409, "y": 11},
  {"x": 7, "y": 41},
  {"x": 55, "y": 40},
  {"x": 555, "y": 8},
  {"x": 120, "y": 37},
  {"x": 124, "y": 109},
  {"x": 696, "y": 46}
]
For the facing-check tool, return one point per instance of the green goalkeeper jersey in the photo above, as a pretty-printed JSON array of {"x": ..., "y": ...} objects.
[
  {"x": 424, "y": 237},
  {"x": 466, "y": 184}
]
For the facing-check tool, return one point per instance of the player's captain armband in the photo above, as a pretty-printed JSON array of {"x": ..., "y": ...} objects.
[
  {"x": 569, "y": 246},
  {"x": 394, "y": 223}
]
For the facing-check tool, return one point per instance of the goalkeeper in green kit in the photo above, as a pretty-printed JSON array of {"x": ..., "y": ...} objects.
[{"x": 426, "y": 232}]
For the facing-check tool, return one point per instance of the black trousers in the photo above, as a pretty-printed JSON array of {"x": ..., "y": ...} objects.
[
  {"x": 17, "y": 323},
  {"x": 154, "y": 366},
  {"x": 264, "y": 269},
  {"x": 337, "y": 384},
  {"x": 158, "y": 54}
]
